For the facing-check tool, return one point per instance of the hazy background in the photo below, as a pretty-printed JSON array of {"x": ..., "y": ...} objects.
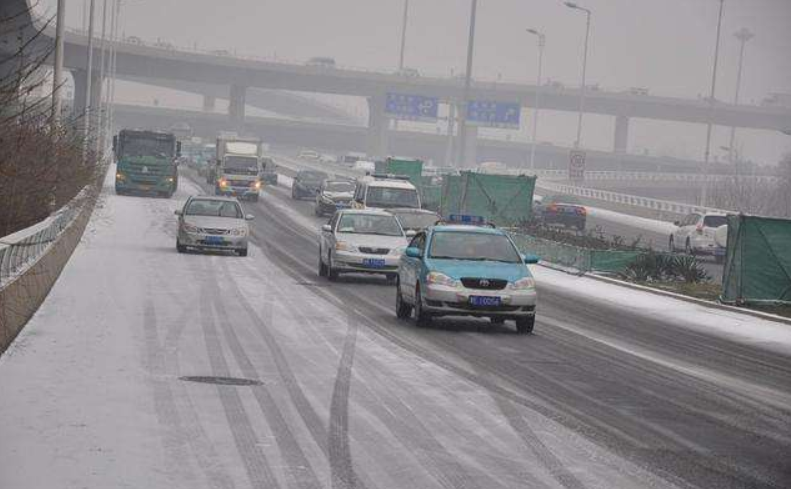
[{"x": 663, "y": 45}]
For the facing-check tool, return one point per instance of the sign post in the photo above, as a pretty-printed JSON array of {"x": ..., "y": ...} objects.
[{"x": 577, "y": 165}]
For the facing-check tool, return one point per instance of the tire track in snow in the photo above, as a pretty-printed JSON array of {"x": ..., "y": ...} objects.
[
  {"x": 258, "y": 470},
  {"x": 297, "y": 463},
  {"x": 316, "y": 427},
  {"x": 340, "y": 455}
]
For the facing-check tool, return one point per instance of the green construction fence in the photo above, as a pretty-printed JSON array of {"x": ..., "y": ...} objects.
[
  {"x": 504, "y": 200},
  {"x": 758, "y": 261},
  {"x": 578, "y": 258}
]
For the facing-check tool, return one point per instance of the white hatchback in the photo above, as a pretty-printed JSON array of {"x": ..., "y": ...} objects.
[{"x": 695, "y": 234}]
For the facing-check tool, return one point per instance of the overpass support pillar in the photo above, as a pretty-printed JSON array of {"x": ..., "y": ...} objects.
[
  {"x": 236, "y": 103},
  {"x": 470, "y": 143},
  {"x": 81, "y": 95},
  {"x": 376, "y": 141},
  {"x": 209, "y": 102},
  {"x": 621, "y": 142}
]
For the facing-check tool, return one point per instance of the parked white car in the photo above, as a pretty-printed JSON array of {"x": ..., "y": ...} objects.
[{"x": 695, "y": 235}]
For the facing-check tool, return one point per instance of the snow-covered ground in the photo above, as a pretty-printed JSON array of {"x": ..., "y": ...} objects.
[{"x": 91, "y": 395}]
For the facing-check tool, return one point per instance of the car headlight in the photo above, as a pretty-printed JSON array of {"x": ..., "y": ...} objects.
[
  {"x": 223, "y": 182},
  {"x": 190, "y": 228},
  {"x": 239, "y": 232},
  {"x": 120, "y": 176},
  {"x": 525, "y": 283},
  {"x": 437, "y": 278},
  {"x": 345, "y": 246},
  {"x": 398, "y": 251}
]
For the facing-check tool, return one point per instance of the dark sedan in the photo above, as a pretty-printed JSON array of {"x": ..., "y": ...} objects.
[
  {"x": 563, "y": 210},
  {"x": 334, "y": 194},
  {"x": 307, "y": 184}
]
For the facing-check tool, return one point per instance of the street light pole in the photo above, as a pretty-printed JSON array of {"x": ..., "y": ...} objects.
[
  {"x": 88, "y": 83},
  {"x": 57, "y": 76},
  {"x": 466, "y": 93},
  {"x": 541, "y": 43},
  {"x": 574, "y": 6},
  {"x": 743, "y": 35},
  {"x": 706, "y": 155},
  {"x": 403, "y": 36},
  {"x": 101, "y": 142}
]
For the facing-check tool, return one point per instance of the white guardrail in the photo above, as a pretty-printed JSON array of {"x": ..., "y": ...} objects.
[
  {"x": 626, "y": 199},
  {"x": 21, "y": 249}
]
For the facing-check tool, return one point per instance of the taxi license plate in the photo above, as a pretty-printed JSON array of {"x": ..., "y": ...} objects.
[
  {"x": 373, "y": 262},
  {"x": 484, "y": 301},
  {"x": 215, "y": 240}
]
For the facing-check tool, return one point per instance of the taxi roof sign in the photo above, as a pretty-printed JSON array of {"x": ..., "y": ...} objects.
[{"x": 466, "y": 219}]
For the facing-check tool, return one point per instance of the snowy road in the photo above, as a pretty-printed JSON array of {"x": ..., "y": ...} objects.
[{"x": 612, "y": 391}]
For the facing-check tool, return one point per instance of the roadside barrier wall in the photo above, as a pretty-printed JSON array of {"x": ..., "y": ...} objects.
[{"x": 581, "y": 259}]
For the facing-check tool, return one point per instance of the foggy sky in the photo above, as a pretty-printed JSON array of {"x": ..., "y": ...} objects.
[{"x": 664, "y": 45}]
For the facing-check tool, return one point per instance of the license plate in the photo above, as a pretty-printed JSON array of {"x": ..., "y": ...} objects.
[
  {"x": 145, "y": 187},
  {"x": 214, "y": 240},
  {"x": 484, "y": 301},
  {"x": 341, "y": 206},
  {"x": 373, "y": 262}
]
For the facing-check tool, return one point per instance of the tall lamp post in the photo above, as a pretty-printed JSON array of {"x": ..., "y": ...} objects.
[
  {"x": 403, "y": 35},
  {"x": 57, "y": 77},
  {"x": 541, "y": 43},
  {"x": 466, "y": 93},
  {"x": 743, "y": 35},
  {"x": 574, "y": 6},
  {"x": 707, "y": 153},
  {"x": 89, "y": 81}
]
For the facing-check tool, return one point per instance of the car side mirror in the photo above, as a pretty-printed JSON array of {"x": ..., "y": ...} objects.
[
  {"x": 413, "y": 252},
  {"x": 326, "y": 228},
  {"x": 530, "y": 259},
  {"x": 177, "y": 212},
  {"x": 249, "y": 217},
  {"x": 410, "y": 233}
]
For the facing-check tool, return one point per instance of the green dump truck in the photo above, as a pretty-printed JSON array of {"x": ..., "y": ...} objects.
[{"x": 146, "y": 162}]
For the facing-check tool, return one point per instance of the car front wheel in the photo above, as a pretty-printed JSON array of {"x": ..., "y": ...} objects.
[
  {"x": 403, "y": 310},
  {"x": 525, "y": 325},
  {"x": 422, "y": 318},
  {"x": 332, "y": 273}
]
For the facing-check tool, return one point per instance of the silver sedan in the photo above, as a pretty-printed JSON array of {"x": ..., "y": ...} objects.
[{"x": 212, "y": 223}]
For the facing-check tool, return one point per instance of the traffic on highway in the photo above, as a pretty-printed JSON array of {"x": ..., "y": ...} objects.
[{"x": 374, "y": 255}]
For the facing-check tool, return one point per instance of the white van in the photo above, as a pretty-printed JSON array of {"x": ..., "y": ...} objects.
[
  {"x": 365, "y": 166},
  {"x": 385, "y": 192}
]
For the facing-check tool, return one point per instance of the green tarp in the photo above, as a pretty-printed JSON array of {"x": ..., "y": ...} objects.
[
  {"x": 758, "y": 261},
  {"x": 502, "y": 199},
  {"x": 402, "y": 167}
]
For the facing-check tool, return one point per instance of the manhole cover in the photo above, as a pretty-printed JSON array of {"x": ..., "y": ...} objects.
[{"x": 220, "y": 380}]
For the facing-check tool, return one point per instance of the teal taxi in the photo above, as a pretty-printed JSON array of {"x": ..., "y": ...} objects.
[{"x": 465, "y": 267}]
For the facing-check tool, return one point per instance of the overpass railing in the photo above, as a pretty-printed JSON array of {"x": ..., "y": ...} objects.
[
  {"x": 22, "y": 248},
  {"x": 616, "y": 175}
]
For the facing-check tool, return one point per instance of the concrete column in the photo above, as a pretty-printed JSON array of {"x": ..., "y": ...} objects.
[
  {"x": 376, "y": 143},
  {"x": 236, "y": 103},
  {"x": 621, "y": 143},
  {"x": 209, "y": 102},
  {"x": 471, "y": 142}
]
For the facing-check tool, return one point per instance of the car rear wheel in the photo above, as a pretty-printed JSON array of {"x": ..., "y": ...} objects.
[
  {"x": 525, "y": 325},
  {"x": 403, "y": 310},
  {"x": 422, "y": 318}
]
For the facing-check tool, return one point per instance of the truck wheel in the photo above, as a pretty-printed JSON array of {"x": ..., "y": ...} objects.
[{"x": 525, "y": 325}]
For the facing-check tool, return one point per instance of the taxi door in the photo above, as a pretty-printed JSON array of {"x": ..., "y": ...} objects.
[{"x": 410, "y": 268}]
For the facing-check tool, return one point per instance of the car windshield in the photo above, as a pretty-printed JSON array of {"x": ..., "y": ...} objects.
[
  {"x": 454, "y": 245},
  {"x": 214, "y": 208},
  {"x": 369, "y": 224},
  {"x": 391, "y": 197},
  {"x": 339, "y": 186},
  {"x": 312, "y": 176},
  {"x": 241, "y": 165},
  {"x": 135, "y": 147},
  {"x": 715, "y": 221},
  {"x": 411, "y": 220}
]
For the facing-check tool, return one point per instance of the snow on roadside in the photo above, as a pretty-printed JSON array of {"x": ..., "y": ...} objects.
[{"x": 732, "y": 325}]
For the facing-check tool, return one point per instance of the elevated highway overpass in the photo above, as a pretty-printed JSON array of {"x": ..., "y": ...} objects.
[{"x": 238, "y": 75}]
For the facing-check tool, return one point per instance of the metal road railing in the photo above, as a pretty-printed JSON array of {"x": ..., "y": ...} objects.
[
  {"x": 21, "y": 249},
  {"x": 617, "y": 175}
]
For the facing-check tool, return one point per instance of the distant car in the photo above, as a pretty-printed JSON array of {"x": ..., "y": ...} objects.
[
  {"x": 385, "y": 192},
  {"x": 308, "y": 154},
  {"x": 412, "y": 219},
  {"x": 408, "y": 72},
  {"x": 466, "y": 270},
  {"x": 134, "y": 40},
  {"x": 307, "y": 183},
  {"x": 695, "y": 234},
  {"x": 212, "y": 223},
  {"x": 220, "y": 52},
  {"x": 334, "y": 194},
  {"x": 361, "y": 241},
  {"x": 268, "y": 174},
  {"x": 563, "y": 210},
  {"x": 325, "y": 158},
  {"x": 321, "y": 62}
]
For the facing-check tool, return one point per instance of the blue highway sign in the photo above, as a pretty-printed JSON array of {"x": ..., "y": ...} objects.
[
  {"x": 493, "y": 114},
  {"x": 411, "y": 107}
]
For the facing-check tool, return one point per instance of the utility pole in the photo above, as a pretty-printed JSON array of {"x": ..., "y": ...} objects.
[
  {"x": 403, "y": 36},
  {"x": 466, "y": 93},
  {"x": 743, "y": 35},
  {"x": 541, "y": 43},
  {"x": 574, "y": 6},
  {"x": 57, "y": 78},
  {"x": 707, "y": 153}
]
